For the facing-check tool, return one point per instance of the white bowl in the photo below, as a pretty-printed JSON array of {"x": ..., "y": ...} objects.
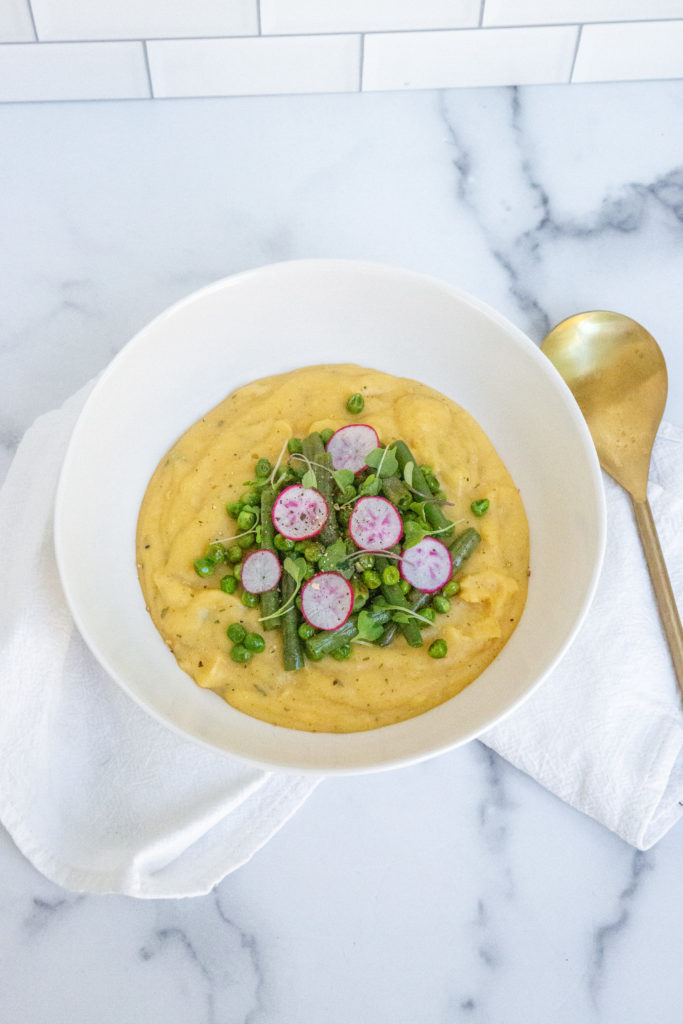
[{"x": 275, "y": 319}]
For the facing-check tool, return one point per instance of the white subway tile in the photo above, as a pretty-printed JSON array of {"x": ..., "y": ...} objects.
[
  {"x": 640, "y": 50},
  {"x": 555, "y": 12},
  {"x": 436, "y": 60},
  {"x": 72, "y": 71},
  {"x": 144, "y": 19},
  {"x": 286, "y": 16},
  {"x": 15, "y": 22},
  {"x": 251, "y": 67}
]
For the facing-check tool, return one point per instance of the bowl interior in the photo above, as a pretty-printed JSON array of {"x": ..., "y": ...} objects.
[{"x": 271, "y": 320}]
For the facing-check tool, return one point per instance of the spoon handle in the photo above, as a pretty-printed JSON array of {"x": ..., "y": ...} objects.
[{"x": 661, "y": 585}]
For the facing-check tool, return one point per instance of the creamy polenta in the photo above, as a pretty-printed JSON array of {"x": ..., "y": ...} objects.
[{"x": 184, "y": 509}]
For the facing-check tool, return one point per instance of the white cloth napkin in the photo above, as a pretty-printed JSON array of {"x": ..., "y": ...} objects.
[
  {"x": 101, "y": 798},
  {"x": 97, "y": 795},
  {"x": 605, "y": 731}
]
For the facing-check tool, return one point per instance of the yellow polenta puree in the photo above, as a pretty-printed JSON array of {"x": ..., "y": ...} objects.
[{"x": 184, "y": 509}]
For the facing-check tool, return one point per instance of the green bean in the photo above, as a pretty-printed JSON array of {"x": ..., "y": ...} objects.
[
  {"x": 433, "y": 514},
  {"x": 417, "y": 599},
  {"x": 395, "y": 596},
  {"x": 270, "y": 599},
  {"x": 462, "y": 546},
  {"x": 331, "y": 640},
  {"x": 314, "y": 450},
  {"x": 292, "y": 651},
  {"x": 396, "y": 491}
]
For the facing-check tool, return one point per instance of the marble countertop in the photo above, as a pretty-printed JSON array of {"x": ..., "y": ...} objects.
[{"x": 457, "y": 889}]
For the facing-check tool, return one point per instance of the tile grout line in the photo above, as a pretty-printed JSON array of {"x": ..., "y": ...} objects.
[
  {"x": 33, "y": 20},
  {"x": 576, "y": 53},
  {"x": 148, "y": 69},
  {"x": 361, "y": 62},
  {"x": 347, "y": 32},
  {"x": 481, "y": 14}
]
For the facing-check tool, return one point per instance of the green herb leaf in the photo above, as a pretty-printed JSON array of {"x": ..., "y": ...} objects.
[
  {"x": 413, "y": 533},
  {"x": 343, "y": 478},
  {"x": 332, "y": 556},
  {"x": 370, "y": 486},
  {"x": 309, "y": 479},
  {"x": 408, "y": 473},
  {"x": 383, "y": 460},
  {"x": 296, "y": 567},
  {"x": 367, "y": 629}
]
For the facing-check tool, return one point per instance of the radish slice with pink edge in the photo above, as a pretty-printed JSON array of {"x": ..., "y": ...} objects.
[
  {"x": 261, "y": 571},
  {"x": 299, "y": 512},
  {"x": 326, "y": 600},
  {"x": 350, "y": 446},
  {"x": 375, "y": 524},
  {"x": 427, "y": 565}
]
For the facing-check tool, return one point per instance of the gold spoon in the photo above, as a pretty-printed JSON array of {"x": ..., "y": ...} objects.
[{"x": 617, "y": 374}]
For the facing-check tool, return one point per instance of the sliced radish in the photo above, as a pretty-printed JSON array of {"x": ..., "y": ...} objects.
[
  {"x": 375, "y": 524},
  {"x": 326, "y": 600},
  {"x": 350, "y": 446},
  {"x": 427, "y": 565},
  {"x": 261, "y": 571},
  {"x": 299, "y": 512}
]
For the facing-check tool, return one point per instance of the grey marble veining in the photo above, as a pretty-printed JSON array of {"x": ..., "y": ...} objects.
[{"x": 456, "y": 890}]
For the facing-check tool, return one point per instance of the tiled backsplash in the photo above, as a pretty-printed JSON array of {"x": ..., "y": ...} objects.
[{"x": 134, "y": 49}]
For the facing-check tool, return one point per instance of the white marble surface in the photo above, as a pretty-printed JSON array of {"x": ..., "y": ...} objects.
[{"x": 456, "y": 890}]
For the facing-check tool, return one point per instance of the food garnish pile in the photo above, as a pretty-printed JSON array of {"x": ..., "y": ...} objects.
[{"x": 344, "y": 540}]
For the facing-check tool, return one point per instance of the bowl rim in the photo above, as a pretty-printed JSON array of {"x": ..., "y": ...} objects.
[{"x": 361, "y": 765}]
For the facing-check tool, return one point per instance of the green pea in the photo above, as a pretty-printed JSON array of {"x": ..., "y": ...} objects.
[
  {"x": 236, "y": 632},
  {"x": 314, "y": 655},
  {"x": 246, "y": 518},
  {"x": 234, "y": 553},
  {"x": 438, "y": 649},
  {"x": 441, "y": 495},
  {"x": 237, "y": 572},
  {"x": 283, "y": 543},
  {"x": 428, "y": 613},
  {"x": 251, "y": 498},
  {"x": 263, "y": 468},
  {"x": 360, "y": 596},
  {"x": 312, "y": 552},
  {"x": 203, "y": 566},
  {"x": 300, "y": 546},
  {"x": 348, "y": 493},
  {"x": 216, "y": 553},
  {"x": 246, "y": 541},
  {"x": 355, "y": 403},
  {"x": 306, "y": 630},
  {"x": 309, "y": 572},
  {"x": 441, "y": 604},
  {"x": 427, "y": 470},
  {"x": 390, "y": 575},
  {"x": 254, "y": 643},
  {"x": 342, "y": 653},
  {"x": 294, "y": 446},
  {"x": 405, "y": 586},
  {"x": 233, "y": 508},
  {"x": 366, "y": 561},
  {"x": 249, "y": 600},
  {"x": 451, "y": 589},
  {"x": 240, "y": 654},
  {"x": 326, "y": 434},
  {"x": 228, "y": 584},
  {"x": 372, "y": 579},
  {"x": 479, "y": 507}
]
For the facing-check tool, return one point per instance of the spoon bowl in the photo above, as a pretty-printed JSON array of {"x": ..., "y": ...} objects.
[{"x": 616, "y": 371}]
